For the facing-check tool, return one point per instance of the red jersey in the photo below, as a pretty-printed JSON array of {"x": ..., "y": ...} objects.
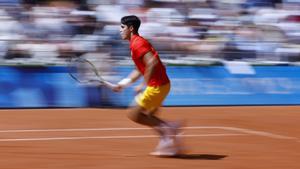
[{"x": 139, "y": 47}]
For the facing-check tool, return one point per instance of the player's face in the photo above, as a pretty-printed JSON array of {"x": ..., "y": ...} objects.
[{"x": 125, "y": 32}]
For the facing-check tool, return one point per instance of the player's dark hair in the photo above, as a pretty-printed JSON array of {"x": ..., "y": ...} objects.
[{"x": 132, "y": 20}]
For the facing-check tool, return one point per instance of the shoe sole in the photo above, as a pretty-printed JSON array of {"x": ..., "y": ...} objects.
[
  {"x": 163, "y": 154},
  {"x": 167, "y": 153}
]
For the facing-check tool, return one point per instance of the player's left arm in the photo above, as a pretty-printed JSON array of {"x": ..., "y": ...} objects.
[{"x": 150, "y": 62}]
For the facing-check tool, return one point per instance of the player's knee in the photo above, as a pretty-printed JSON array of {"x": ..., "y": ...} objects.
[{"x": 137, "y": 115}]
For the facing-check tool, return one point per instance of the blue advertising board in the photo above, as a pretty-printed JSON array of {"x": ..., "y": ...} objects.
[
  {"x": 25, "y": 86},
  {"x": 215, "y": 85}
]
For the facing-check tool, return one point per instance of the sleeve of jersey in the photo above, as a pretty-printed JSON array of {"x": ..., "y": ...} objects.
[{"x": 142, "y": 48}]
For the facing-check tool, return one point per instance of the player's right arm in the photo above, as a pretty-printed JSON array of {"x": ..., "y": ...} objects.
[{"x": 131, "y": 78}]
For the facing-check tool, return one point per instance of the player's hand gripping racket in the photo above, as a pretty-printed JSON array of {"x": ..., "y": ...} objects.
[{"x": 85, "y": 72}]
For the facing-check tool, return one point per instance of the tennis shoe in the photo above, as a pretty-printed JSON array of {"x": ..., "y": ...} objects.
[
  {"x": 166, "y": 147},
  {"x": 170, "y": 129},
  {"x": 170, "y": 143}
]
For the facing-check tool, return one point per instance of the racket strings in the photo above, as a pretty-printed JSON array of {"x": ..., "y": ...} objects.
[{"x": 84, "y": 71}]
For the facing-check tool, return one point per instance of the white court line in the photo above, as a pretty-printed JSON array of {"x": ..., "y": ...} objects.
[
  {"x": 241, "y": 130},
  {"x": 66, "y": 130},
  {"x": 112, "y": 137},
  {"x": 248, "y": 131},
  {"x": 102, "y": 129}
]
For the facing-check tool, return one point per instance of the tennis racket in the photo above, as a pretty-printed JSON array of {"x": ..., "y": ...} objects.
[{"x": 85, "y": 72}]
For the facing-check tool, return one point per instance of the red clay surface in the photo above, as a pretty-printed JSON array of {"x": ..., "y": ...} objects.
[{"x": 215, "y": 137}]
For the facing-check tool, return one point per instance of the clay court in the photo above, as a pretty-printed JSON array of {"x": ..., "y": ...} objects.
[{"x": 215, "y": 138}]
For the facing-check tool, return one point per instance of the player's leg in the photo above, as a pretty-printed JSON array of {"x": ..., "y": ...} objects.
[
  {"x": 139, "y": 115},
  {"x": 168, "y": 142},
  {"x": 146, "y": 104},
  {"x": 144, "y": 113}
]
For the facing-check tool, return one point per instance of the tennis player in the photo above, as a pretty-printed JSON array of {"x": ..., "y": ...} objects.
[{"x": 152, "y": 91}]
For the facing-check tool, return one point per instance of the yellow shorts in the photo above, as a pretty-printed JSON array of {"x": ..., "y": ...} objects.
[{"x": 153, "y": 97}]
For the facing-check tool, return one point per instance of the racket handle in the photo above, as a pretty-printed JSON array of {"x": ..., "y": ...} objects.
[
  {"x": 109, "y": 85},
  {"x": 105, "y": 83}
]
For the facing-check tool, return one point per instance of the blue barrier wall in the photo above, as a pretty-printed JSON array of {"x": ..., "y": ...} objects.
[
  {"x": 191, "y": 86},
  {"x": 215, "y": 85},
  {"x": 39, "y": 87}
]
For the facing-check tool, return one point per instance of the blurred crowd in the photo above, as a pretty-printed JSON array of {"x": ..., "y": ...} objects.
[{"x": 55, "y": 30}]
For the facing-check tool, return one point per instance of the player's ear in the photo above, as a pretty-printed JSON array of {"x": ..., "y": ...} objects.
[{"x": 131, "y": 28}]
